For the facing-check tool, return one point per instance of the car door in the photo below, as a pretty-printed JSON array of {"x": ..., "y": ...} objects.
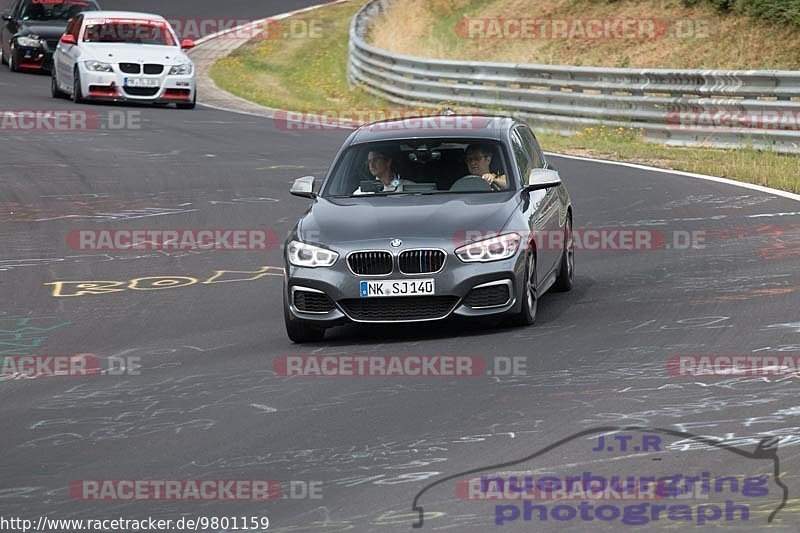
[
  {"x": 67, "y": 55},
  {"x": 10, "y": 27},
  {"x": 544, "y": 219}
]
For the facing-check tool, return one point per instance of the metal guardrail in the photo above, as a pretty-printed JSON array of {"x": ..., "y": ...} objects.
[{"x": 677, "y": 107}]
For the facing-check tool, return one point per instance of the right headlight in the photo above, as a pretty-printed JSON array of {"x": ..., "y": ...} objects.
[
  {"x": 307, "y": 255},
  {"x": 494, "y": 249},
  {"x": 29, "y": 42},
  {"x": 98, "y": 66}
]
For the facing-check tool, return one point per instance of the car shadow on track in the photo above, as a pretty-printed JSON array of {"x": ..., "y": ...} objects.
[{"x": 552, "y": 307}]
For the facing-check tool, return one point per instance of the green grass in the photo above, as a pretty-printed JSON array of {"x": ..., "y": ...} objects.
[{"x": 309, "y": 75}]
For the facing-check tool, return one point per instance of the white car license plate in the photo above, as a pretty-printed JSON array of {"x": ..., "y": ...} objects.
[
  {"x": 405, "y": 287},
  {"x": 141, "y": 82}
]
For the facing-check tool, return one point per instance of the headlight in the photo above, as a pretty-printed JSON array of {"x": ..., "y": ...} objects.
[
  {"x": 306, "y": 255},
  {"x": 494, "y": 249},
  {"x": 181, "y": 70},
  {"x": 97, "y": 66},
  {"x": 29, "y": 42}
]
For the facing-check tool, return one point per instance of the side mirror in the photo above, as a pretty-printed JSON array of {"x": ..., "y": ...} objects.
[
  {"x": 304, "y": 187},
  {"x": 68, "y": 38},
  {"x": 7, "y": 17},
  {"x": 542, "y": 178},
  {"x": 187, "y": 44}
]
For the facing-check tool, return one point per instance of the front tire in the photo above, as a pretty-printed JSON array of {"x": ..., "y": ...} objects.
[
  {"x": 12, "y": 60},
  {"x": 566, "y": 274},
  {"x": 189, "y": 106},
  {"x": 77, "y": 92},
  {"x": 530, "y": 299},
  {"x": 300, "y": 332}
]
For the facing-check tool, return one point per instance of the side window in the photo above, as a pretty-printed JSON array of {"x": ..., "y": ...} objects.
[
  {"x": 533, "y": 148},
  {"x": 71, "y": 26},
  {"x": 521, "y": 155}
]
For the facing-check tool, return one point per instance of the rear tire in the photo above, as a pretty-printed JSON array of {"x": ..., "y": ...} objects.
[
  {"x": 55, "y": 92},
  {"x": 300, "y": 332},
  {"x": 530, "y": 299},
  {"x": 566, "y": 274}
]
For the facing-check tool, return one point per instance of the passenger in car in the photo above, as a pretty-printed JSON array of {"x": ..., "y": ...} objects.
[
  {"x": 381, "y": 166},
  {"x": 478, "y": 158}
]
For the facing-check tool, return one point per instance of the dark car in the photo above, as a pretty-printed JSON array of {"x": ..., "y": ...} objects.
[
  {"x": 404, "y": 229},
  {"x": 31, "y": 30}
]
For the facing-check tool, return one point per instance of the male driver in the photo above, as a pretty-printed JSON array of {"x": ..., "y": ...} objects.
[{"x": 479, "y": 159}]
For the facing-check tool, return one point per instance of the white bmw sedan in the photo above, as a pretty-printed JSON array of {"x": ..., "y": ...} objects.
[{"x": 121, "y": 56}]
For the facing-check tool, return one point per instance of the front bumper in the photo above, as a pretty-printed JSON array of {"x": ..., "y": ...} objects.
[
  {"x": 454, "y": 283},
  {"x": 113, "y": 87},
  {"x": 33, "y": 59}
]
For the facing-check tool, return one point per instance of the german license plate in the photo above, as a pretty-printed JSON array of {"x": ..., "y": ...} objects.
[
  {"x": 405, "y": 287},
  {"x": 141, "y": 82}
]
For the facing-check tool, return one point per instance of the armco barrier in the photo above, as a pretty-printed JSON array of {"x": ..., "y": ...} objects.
[{"x": 677, "y": 107}]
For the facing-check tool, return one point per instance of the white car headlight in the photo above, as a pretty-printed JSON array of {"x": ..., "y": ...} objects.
[
  {"x": 181, "y": 70},
  {"x": 307, "y": 255},
  {"x": 29, "y": 42},
  {"x": 97, "y": 66},
  {"x": 494, "y": 249}
]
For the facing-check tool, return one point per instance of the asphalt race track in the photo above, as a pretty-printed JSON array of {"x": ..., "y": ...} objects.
[{"x": 206, "y": 403}]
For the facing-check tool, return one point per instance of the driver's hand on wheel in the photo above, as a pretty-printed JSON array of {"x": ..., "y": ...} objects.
[{"x": 497, "y": 182}]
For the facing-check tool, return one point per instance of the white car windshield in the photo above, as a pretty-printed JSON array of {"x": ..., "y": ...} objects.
[{"x": 128, "y": 31}]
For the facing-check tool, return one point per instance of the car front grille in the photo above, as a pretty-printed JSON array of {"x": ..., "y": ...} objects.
[
  {"x": 152, "y": 68},
  {"x": 130, "y": 68},
  {"x": 491, "y": 296},
  {"x": 142, "y": 91},
  {"x": 312, "y": 302},
  {"x": 370, "y": 263},
  {"x": 421, "y": 261},
  {"x": 399, "y": 309}
]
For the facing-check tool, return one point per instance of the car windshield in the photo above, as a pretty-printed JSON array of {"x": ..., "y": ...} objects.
[
  {"x": 420, "y": 166},
  {"x": 128, "y": 31},
  {"x": 42, "y": 10}
]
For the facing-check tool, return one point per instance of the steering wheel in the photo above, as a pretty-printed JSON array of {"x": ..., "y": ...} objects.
[{"x": 471, "y": 182}]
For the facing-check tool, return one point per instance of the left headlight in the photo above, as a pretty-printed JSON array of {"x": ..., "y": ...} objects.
[
  {"x": 181, "y": 70},
  {"x": 494, "y": 249},
  {"x": 307, "y": 255},
  {"x": 29, "y": 42},
  {"x": 98, "y": 66}
]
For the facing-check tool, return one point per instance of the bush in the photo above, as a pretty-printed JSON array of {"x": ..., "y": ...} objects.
[{"x": 782, "y": 11}]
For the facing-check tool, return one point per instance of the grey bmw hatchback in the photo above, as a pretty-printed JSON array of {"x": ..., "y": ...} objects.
[{"x": 426, "y": 219}]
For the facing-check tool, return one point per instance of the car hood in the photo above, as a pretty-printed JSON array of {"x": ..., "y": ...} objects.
[
  {"x": 48, "y": 30},
  {"x": 444, "y": 218},
  {"x": 134, "y": 53}
]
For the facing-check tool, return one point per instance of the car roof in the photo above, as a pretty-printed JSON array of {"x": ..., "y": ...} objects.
[
  {"x": 122, "y": 15},
  {"x": 491, "y": 127}
]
